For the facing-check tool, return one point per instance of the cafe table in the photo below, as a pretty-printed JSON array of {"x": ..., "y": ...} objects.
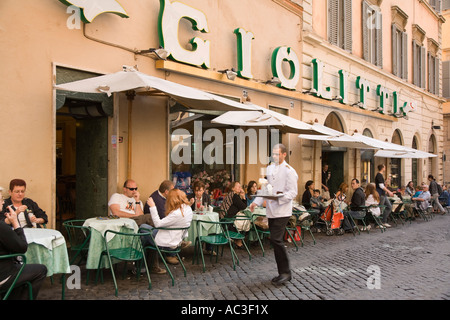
[
  {"x": 48, "y": 247},
  {"x": 99, "y": 226},
  {"x": 206, "y": 228}
]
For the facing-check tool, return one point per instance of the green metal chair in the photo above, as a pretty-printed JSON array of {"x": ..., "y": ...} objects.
[
  {"x": 220, "y": 238},
  {"x": 363, "y": 218},
  {"x": 79, "y": 237},
  {"x": 131, "y": 250},
  {"x": 399, "y": 214},
  {"x": 378, "y": 220},
  {"x": 305, "y": 224},
  {"x": 162, "y": 252},
  {"x": 240, "y": 234},
  {"x": 291, "y": 230},
  {"x": 259, "y": 231},
  {"x": 13, "y": 285}
]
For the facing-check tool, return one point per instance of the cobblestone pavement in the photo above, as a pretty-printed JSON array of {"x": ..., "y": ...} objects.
[{"x": 413, "y": 262}]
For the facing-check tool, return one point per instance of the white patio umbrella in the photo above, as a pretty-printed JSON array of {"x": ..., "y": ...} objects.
[
  {"x": 378, "y": 144},
  {"x": 263, "y": 117},
  {"x": 141, "y": 83},
  {"x": 336, "y": 138},
  {"x": 408, "y": 153}
]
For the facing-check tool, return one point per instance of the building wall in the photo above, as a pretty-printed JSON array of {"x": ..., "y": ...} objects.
[{"x": 418, "y": 123}]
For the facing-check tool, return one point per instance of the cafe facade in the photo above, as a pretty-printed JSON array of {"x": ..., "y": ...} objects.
[{"x": 75, "y": 149}]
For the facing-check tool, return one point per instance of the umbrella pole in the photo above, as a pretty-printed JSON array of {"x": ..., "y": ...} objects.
[{"x": 130, "y": 98}]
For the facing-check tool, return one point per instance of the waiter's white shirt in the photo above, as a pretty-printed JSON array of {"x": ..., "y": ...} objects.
[{"x": 283, "y": 178}]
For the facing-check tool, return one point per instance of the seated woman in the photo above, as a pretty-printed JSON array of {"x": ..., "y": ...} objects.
[
  {"x": 372, "y": 200},
  {"x": 308, "y": 194},
  {"x": 12, "y": 240},
  {"x": 339, "y": 201},
  {"x": 233, "y": 203},
  {"x": 199, "y": 199},
  {"x": 252, "y": 188},
  {"x": 28, "y": 212},
  {"x": 178, "y": 215}
]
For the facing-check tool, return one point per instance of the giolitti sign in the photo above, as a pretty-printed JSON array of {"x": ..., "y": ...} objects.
[{"x": 90, "y": 9}]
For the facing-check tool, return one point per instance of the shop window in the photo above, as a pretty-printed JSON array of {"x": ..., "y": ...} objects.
[
  {"x": 396, "y": 164},
  {"x": 415, "y": 164},
  {"x": 367, "y": 161},
  {"x": 340, "y": 23}
]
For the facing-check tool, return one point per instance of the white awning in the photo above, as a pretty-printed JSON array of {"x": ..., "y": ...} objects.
[
  {"x": 139, "y": 82},
  {"x": 336, "y": 138},
  {"x": 406, "y": 154},
  {"x": 265, "y": 118}
]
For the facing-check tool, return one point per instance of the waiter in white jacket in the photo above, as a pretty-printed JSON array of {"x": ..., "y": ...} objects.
[{"x": 283, "y": 179}]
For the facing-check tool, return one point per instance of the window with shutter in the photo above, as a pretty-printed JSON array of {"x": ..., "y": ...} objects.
[
  {"x": 423, "y": 56},
  {"x": 418, "y": 64},
  {"x": 340, "y": 23},
  {"x": 437, "y": 78},
  {"x": 372, "y": 34},
  {"x": 333, "y": 21}
]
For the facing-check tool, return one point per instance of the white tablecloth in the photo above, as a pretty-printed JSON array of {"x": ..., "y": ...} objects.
[
  {"x": 48, "y": 238},
  {"x": 110, "y": 224}
]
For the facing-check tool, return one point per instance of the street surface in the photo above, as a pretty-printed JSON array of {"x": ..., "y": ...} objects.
[{"x": 406, "y": 262}]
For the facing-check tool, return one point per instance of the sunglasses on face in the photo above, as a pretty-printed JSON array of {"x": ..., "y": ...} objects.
[{"x": 132, "y": 189}]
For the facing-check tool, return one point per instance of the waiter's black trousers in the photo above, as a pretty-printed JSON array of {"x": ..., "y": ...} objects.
[{"x": 277, "y": 228}]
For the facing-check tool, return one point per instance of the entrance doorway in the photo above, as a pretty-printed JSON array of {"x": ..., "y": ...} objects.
[
  {"x": 335, "y": 161},
  {"x": 81, "y": 151},
  {"x": 82, "y": 167}
]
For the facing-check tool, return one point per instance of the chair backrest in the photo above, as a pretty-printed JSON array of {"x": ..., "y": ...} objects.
[
  {"x": 23, "y": 261},
  {"x": 77, "y": 234},
  {"x": 129, "y": 243},
  {"x": 221, "y": 224},
  {"x": 184, "y": 231}
]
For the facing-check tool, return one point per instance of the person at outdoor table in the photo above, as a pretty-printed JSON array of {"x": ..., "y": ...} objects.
[
  {"x": 420, "y": 202},
  {"x": 444, "y": 198},
  {"x": 434, "y": 191},
  {"x": 317, "y": 201},
  {"x": 356, "y": 203},
  {"x": 177, "y": 215},
  {"x": 12, "y": 241},
  {"x": 307, "y": 194},
  {"x": 28, "y": 212},
  {"x": 372, "y": 200},
  {"x": 410, "y": 190},
  {"x": 325, "y": 179},
  {"x": 383, "y": 191},
  {"x": 339, "y": 201},
  {"x": 283, "y": 179},
  {"x": 159, "y": 197},
  {"x": 199, "y": 199},
  {"x": 234, "y": 201},
  {"x": 252, "y": 189},
  {"x": 128, "y": 204}
]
